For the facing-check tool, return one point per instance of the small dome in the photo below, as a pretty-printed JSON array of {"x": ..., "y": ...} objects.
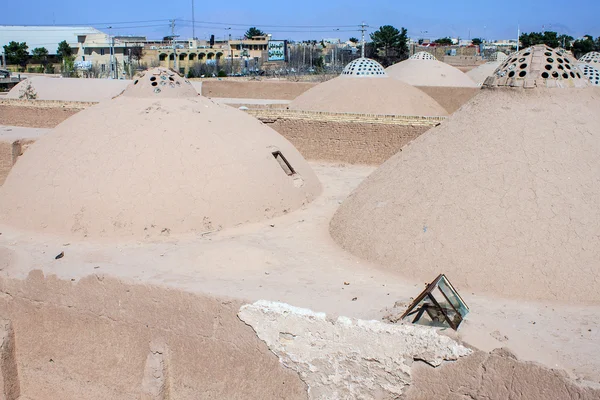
[
  {"x": 591, "y": 72},
  {"x": 364, "y": 67},
  {"x": 498, "y": 56},
  {"x": 537, "y": 66},
  {"x": 591, "y": 57},
  {"x": 422, "y": 55},
  {"x": 160, "y": 82}
]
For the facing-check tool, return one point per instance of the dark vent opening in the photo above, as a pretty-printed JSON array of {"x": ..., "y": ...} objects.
[{"x": 283, "y": 163}]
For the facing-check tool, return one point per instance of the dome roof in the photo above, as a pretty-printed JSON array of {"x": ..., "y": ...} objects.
[
  {"x": 422, "y": 55},
  {"x": 503, "y": 197},
  {"x": 591, "y": 57},
  {"x": 537, "y": 66},
  {"x": 363, "y": 68},
  {"x": 590, "y": 72},
  {"x": 160, "y": 83},
  {"x": 139, "y": 166},
  {"x": 384, "y": 96},
  {"x": 481, "y": 73},
  {"x": 70, "y": 89},
  {"x": 498, "y": 56},
  {"x": 429, "y": 73}
]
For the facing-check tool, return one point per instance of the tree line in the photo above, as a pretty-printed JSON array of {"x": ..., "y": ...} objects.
[
  {"x": 18, "y": 54},
  {"x": 552, "y": 39}
]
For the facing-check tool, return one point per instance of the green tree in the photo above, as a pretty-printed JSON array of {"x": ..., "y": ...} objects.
[
  {"x": 64, "y": 51},
  {"x": 353, "y": 40},
  {"x": 585, "y": 45},
  {"x": 446, "y": 41},
  {"x": 476, "y": 41},
  {"x": 40, "y": 54},
  {"x": 254, "y": 31},
  {"x": 392, "y": 41},
  {"x": 16, "y": 53},
  {"x": 565, "y": 41},
  {"x": 548, "y": 38}
]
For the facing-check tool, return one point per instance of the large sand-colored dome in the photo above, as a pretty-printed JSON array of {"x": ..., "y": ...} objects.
[
  {"x": 367, "y": 94},
  {"x": 481, "y": 73},
  {"x": 148, "y": 163},
  {"x": 426, "y": 72},
  {"x": 538, "y": 66},
  {"x": 504, "y": 198}
]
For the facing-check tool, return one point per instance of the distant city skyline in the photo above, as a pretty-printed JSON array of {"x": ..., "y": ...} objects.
[{"x": 314, "y": 19}]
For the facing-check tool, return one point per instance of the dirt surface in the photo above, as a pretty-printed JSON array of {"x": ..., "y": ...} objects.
[
  {"x": 294, "y": 260},
  {"x": 34, "y": 117},
  {"x": 276, "y": 90}
]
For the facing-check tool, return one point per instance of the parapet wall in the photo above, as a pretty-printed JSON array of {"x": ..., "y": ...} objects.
[
  {"x": 348, "y": 138},
  {"x": 104, "y": 339},
  {"x": 9, "y": 152}
]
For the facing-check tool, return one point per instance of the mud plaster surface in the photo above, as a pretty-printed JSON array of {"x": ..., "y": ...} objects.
[{"x": 293, "y": 259}]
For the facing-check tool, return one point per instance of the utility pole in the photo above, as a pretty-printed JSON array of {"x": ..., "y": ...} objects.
[
  {"x": 230, "y": 52},
  {"x": 193, "y": 22},
  {"x": 111, "y": 41},
  {"x": 363, "y": 28},
  {"x": 518, "y": 36},
  {"x": 174, "y": 46}
]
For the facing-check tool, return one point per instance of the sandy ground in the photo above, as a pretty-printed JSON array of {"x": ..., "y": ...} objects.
[
  {"x": 293, "y": 259},
  {"x": 34, "y": 117}
]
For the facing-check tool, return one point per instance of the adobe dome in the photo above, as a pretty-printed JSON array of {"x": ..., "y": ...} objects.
[
  {"x": 422, "y": 55},
  {"x": 425, "y": 72},
  {"x": 591, "y": 57},
  {"x": 498, "y": 56},
  {"x": 537, "y": 66},
  {"x": 160, "y": 83},
  {"x": 367, "y": 92},
  {"x": 364, "y": 67},
  {"x": 148, "y": 163},
  {"x": 590, "y": 72},
  {"x": 481, "y": 73},
  {"x": 503, "y": 197}
]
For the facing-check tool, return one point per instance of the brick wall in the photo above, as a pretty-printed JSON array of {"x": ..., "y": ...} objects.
[{"x": 348, "y": 142}]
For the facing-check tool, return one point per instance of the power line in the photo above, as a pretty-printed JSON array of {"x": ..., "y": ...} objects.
[{"x": 269, "y": 26}]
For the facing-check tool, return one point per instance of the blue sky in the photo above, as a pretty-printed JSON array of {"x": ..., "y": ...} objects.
[{"x": 314, "y": 19}]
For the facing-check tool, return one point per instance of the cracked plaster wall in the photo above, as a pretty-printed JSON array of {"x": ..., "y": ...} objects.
[{"x": 344, "y": 358}]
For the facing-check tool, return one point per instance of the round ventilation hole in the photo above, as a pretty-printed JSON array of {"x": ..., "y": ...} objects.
[
  {"x": 511, "y": 74},
  {"x": 154, "y": 83},
  {"x": 545, "y": 75},
  {"x": 523, "y": 66},
  {"x": 555, "y": 74},
  {"x": 572, "y": 74},
  {"x": 153, "y": 78},
  {"x": 565, "y": 75},
  {"x": 548, "y": 53},
  {"x": 550, "y": 59},
  {"x": 522, "y": 73},
  {"x": 171, "y": 79},
  {"x": 521, "y": 59},
  {"x": 548, "y": 67},
  {"x": 560, "y": 60},
  {"x": 135, "y": 82}
]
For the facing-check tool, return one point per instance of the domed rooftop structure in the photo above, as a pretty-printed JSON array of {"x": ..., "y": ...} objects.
[
  {"x": 153, "y": 163},
  {"x": 422, "y": 55},
  {"x": 364, "y": 67},
  {"x": 590, "y": 58},
  {"x": 481, "y": 73},
  {"x": 364, "y": 88},
  {"x": 537, "y": 66},
  {"x": 429, "y": 72},
  {"x": 590, "y": 72},
  {"x": 503, "y": 197},
  {"x": 498, "y": 56}
]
